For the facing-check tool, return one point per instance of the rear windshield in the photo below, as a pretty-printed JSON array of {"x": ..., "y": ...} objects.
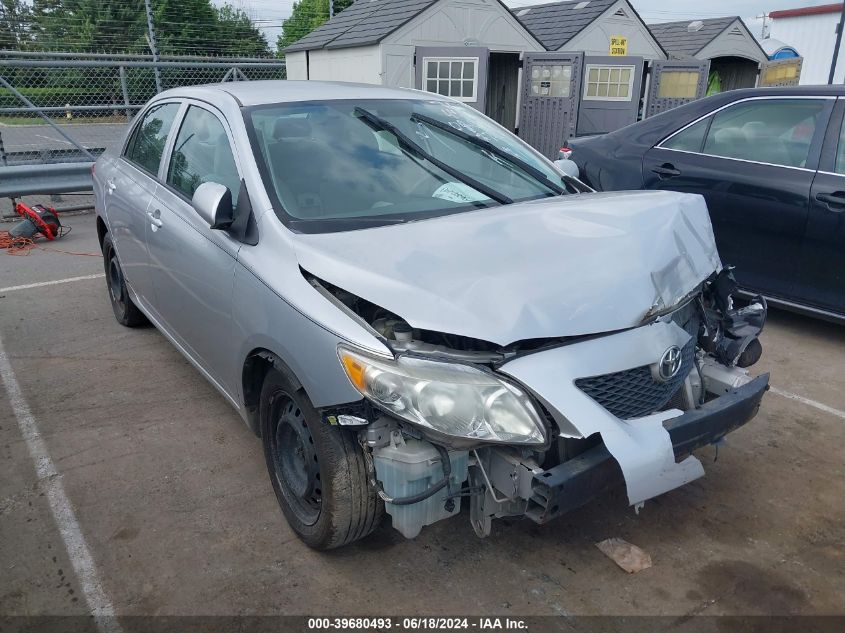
[{"x": 339, "y": 165}]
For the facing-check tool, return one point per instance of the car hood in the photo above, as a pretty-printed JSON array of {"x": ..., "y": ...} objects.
[{"x": 563, "y": 266}]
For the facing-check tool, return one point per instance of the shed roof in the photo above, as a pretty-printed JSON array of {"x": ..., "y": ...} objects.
[
  {"x": 556, "y": 23},
  {"x": 680, "y": 40},
  {"x": 364, "y": 22}
]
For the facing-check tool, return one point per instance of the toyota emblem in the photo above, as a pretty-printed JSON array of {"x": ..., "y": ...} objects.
[{"x": 670, "y": 364}]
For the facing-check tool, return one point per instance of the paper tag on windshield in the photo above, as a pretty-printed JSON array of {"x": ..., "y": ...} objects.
[{"x": 458, "y": 192}]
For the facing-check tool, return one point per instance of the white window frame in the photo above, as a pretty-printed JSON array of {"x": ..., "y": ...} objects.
[
  {"x": 473, "y": 60},
  {"x": 599, "y": 67}
]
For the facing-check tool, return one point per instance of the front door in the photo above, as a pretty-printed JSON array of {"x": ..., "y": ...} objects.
[
  {"x": 551, "y": 87},
  {"x": 823, "y": 260},
  {"x": 459, "y": 72},
  {"x": 610, "y": 96},
  {"x": 676, "y": 82},
  {"x": 753, "y": 161},
  {"x": 129, "y": 190},
  {"x": 193, "y": 266}
]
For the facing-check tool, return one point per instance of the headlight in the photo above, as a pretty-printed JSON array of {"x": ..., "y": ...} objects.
[{"x": 456, "y": 400}]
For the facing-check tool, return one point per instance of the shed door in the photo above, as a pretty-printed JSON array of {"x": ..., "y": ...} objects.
[
  {"x": 675, "y": 83},
  {"x": 610, "y": 95},
  {"x": 781, "y": 72},
  {"x": 551, "y": 86},
  {"x": 454, "y": 71}
]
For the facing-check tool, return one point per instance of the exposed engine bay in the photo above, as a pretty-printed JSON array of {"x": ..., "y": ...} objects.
[{"x": 611, "y": 419}]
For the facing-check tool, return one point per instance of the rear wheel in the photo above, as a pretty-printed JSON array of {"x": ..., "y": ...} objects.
[
  {"x": 318, "y": 471},
  {"x": 125, "y": 311}
]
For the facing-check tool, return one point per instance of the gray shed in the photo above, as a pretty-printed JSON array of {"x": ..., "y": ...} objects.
[
  {"x": 589, "y": 26},
  {"x": 734, "y": 54}
]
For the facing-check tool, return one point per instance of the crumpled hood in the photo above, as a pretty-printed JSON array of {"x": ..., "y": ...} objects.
[{"x": 563, "y": 266}]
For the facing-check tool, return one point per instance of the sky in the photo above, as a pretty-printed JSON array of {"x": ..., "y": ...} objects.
[{"x": 269, "y": 14}]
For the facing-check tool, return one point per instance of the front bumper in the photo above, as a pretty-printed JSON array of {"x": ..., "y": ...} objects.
[{"x": 576, "y": 481}]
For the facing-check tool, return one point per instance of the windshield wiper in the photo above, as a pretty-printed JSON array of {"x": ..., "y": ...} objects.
[
  {"x": 490, "y": 147},
  {"x": 380, "y": 125}
]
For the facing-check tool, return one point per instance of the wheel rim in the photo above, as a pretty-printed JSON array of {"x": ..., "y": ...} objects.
[
  {"x": 297, "y": 469},
  {"x": 115, "y": 281}
]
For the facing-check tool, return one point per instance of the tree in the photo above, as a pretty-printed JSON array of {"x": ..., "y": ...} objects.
[
  {"x": 89, "y": 25},
  {"x": 14, "y": 24},
  {"x": 306, "y": 16},
  {"x": 237, "y": 34}
]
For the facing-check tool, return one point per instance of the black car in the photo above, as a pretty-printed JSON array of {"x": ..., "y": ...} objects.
[{"x": 771, "y": 164}]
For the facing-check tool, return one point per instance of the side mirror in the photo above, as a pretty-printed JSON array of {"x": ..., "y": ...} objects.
[{"x": 213, "y": 202}]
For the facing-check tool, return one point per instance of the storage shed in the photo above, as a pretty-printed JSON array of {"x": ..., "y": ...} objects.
[
  {"x": 467, "y": 49},
  {"x": 734, "y": 54},
  {"x": 591, "y": 26}
]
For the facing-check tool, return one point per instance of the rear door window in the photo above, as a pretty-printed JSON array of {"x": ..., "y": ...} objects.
[
  {"x": 146, "y": 145},
  {"x": 689, "y": 140},
  {"x": 774, "y": 131},
  {"x": 202, "y": 153}
]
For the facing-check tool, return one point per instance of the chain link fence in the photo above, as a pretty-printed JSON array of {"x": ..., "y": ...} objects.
[{"x": 66, "y": 107}]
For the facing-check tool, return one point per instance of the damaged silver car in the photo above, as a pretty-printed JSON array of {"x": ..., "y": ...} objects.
[{"x": 415, "y": 310}]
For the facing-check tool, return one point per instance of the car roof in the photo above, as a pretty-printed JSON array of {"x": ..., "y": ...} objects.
[
  {"x": 823, "y": 90},
  {"x": 251, "y": 93}
]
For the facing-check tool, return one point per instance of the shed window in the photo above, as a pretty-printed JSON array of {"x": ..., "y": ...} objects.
[
  {"x": 778, "y": 74},
  {"x": 553, "y": 80},
  {"x": 678, "y": 84},
  {"x": 609, "y": 83},
  {"x": 455, "y": 77}
]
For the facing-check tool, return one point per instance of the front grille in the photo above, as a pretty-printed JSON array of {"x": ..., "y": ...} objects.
[{"x": 634, "y": 393}]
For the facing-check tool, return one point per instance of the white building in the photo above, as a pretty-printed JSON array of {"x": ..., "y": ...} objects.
[{"x": 811, "y": 31}]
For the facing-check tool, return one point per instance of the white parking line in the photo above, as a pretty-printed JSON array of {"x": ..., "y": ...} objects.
[
  {"x": 80, "y": 556},
  {"x": 808, "y": 402},
  {"x": 52, "y": 283}
]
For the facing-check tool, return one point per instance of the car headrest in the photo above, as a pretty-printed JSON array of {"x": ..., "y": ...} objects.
[
  {"x": 291, "y": 128},
  {"x": 729, "y": 135}
]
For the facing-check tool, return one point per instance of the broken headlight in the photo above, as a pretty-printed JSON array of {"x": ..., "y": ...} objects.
[{"x": 456, "y": 400}]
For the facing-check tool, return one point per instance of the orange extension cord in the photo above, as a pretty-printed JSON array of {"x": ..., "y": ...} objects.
[{"x": 24, "y": 245}]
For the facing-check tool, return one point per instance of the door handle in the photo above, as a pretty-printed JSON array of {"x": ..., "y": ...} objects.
[
  {"x": 155, "y": 219},
  {"x": 832, "y": 200},
  {"x": 666, "y": 170},
  {"x": 111, "y": 186}
]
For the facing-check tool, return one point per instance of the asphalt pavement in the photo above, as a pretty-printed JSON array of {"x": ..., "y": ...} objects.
[{"x": 167, "y": 489}]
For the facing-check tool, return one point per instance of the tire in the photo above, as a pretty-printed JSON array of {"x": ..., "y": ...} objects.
[
  {"x": 126, "y": 312},
  {"x": 318, "y": 471}
]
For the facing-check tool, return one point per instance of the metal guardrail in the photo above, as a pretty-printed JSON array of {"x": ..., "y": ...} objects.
[{"x": 24, "y": 180}]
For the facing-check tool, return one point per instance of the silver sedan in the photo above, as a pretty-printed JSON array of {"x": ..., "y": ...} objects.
[{"x": 413, "y": 309}]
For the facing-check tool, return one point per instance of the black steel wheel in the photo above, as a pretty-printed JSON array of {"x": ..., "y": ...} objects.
[
  {"x": 125, "y": 311},
  {"x": 296, "y": 467},
  {"x": 319, "y": 472}
]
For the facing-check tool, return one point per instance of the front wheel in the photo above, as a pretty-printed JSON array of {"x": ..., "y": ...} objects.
[
  {"x": 125, "y": 311},
  {"x": 318, "y": 471}
]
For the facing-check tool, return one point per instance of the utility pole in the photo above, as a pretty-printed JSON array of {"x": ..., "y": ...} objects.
[
  {"x": 836, "y": 46},
  {"x": 764, "y": 32},
  {"x": 151, "y": 41}
]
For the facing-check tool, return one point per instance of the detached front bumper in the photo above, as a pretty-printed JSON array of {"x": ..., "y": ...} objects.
[{"x": 575, "y": 482}]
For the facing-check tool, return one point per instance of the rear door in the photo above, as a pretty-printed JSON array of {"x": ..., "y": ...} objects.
[
  {"x": 676, "y": 82},
  {"x": 549, "y": 96},
  {"x": 610, "y": 96},
  {"x": 459, "y": 72},
  {"x": 193, "y": 266},
  {"x": 129, "y": 189},
  {"x": 823, "y": 257},
  {"x": 754, "y": 162}
]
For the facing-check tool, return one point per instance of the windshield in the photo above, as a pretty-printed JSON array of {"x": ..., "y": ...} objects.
[{"x": 334, "y": 165}]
